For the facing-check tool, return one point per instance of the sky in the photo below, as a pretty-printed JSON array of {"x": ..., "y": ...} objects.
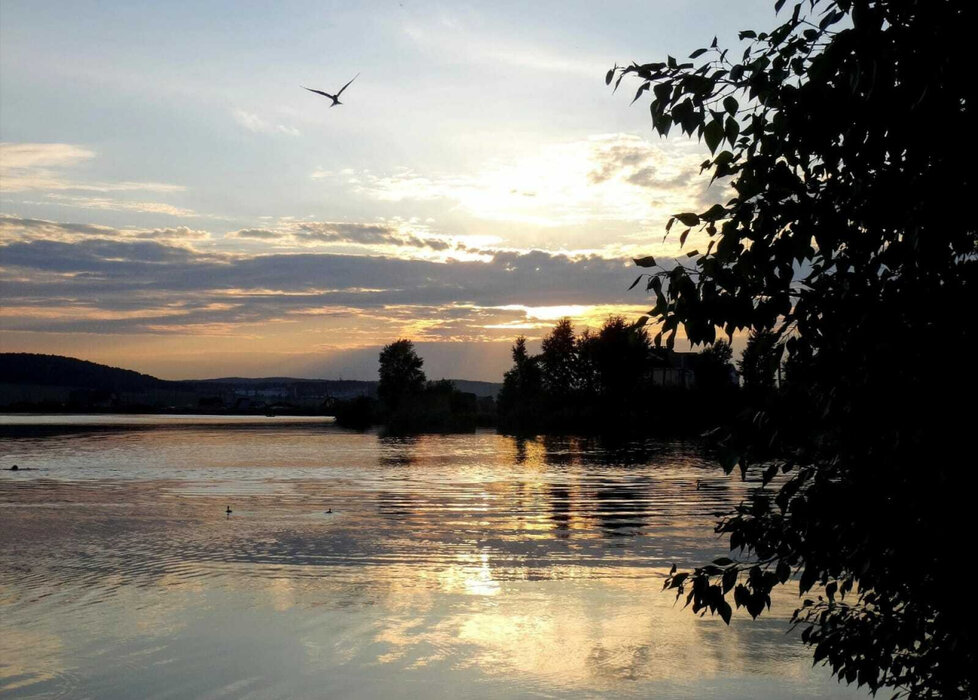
[{"x": 172, "y": 201}]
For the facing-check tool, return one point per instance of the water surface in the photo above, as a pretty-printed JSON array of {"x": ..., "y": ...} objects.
[{"x": 453, "y": 566}]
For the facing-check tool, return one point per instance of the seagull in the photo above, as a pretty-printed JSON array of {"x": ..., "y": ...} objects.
[{"x": 335, "y": 98}]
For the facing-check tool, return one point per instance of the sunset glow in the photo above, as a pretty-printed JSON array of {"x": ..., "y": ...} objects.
[{"x": 479, "y": 181}]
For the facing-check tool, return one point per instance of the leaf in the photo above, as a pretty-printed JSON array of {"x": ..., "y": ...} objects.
[
  {"x": 749, "y": 33},
  {"x": 647, "y": 261},
  {"x": 783, "y": 571},
  {"x": 722, "y": 162},
  {"x": 723, "y": 607},
  {"x": 609, "y": 77},
  {"x": 730, "y": 104},
  {"x": 729, "y": 579},
  {"x": 637, "y": 280},
  {"x": 731, "y": 130},
  {"x": 641, "y": 322},
  {"x": 682, "y": 237},
  {"x": 714, "y": 213},
  {"x": 755, "y": 604},
  {"x": 728, "y": 460},
  {"x": 687, "y": 219},
  {"x": 741, "y": 595},
  {"x": 808, "y": 577},
  {"x": 713, "y": 133},
  {"x": 830, "y": 19},
  {"x": 697, "y": 53},
  {"x": 638, "y": 93},
  {"x": 723, "y": 561}
]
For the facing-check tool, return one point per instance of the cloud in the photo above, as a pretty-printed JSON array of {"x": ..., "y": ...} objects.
[
  {"x": 147, "y": 297},
  {"x": 320, "y": 233},
  {"x": 113, "y": 204},
  {"x": 19, "y": 228},
  {"x": 639, "y": 163},
  {"x": 257, "y": 233},
  {"x": 606, "y": 178},
  {"x": 252, "y": 122},
  {"x": 366, "y": 234},
  {"x": 34, "y": 166},
  {"x": 82, "y": 284},
  {"x": 17, "y": 156}
]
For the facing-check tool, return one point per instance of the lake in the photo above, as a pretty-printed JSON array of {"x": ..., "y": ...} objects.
[{"x": 471, "y": 565}]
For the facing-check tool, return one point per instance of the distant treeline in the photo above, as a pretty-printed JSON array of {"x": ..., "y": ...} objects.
[
  {"x": 33, "y": 382},
  {"x": 408, "y": 403},
  {"x": 611, "y": 380},
  {"x": 615, "y": 380}
]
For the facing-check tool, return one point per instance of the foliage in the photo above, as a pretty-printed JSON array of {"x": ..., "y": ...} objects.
[
  {"x": 719, "y": 353},
  {"x": 714, "y": 371},
  {"x": 596, "y": 382},
  {"x": 587, "y": 363},
  {"x": 401, "y": 375},
  {"x": 845, "y": 135},
  {"x": 558, "y": 359},
  {"x": 519, "y": 398},
  {"x": 410, "y": 404},
  {"x": 622, "y": 358}
]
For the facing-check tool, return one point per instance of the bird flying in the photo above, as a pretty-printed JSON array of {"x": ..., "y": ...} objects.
[{"x": 335, "y": 98}]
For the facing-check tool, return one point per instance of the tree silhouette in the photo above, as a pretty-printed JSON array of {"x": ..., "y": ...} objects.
[
  {"x": 592, "y": 382},
  {"x": 400, "y": 373},
  {"x": 520, "y": 399},
  {"x": 587, "y": 364},
  {"x": 522, "y": 384},
  {"x": 621, "y": 355},
  {"x": 760, "y": 361},
  {"x": 713, "y": 368},
  {"x": 558, "y": 360},
  {"x": 846, "y": 137}
]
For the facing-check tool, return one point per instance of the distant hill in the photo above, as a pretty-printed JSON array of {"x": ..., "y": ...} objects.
[
  {"x": 31, "y": 381},
  {"x": 55, "y": 370},
  {"x": 471, "y": 386}
]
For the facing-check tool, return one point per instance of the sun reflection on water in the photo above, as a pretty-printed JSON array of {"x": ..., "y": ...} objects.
[{"x": 472, "y": 564}]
